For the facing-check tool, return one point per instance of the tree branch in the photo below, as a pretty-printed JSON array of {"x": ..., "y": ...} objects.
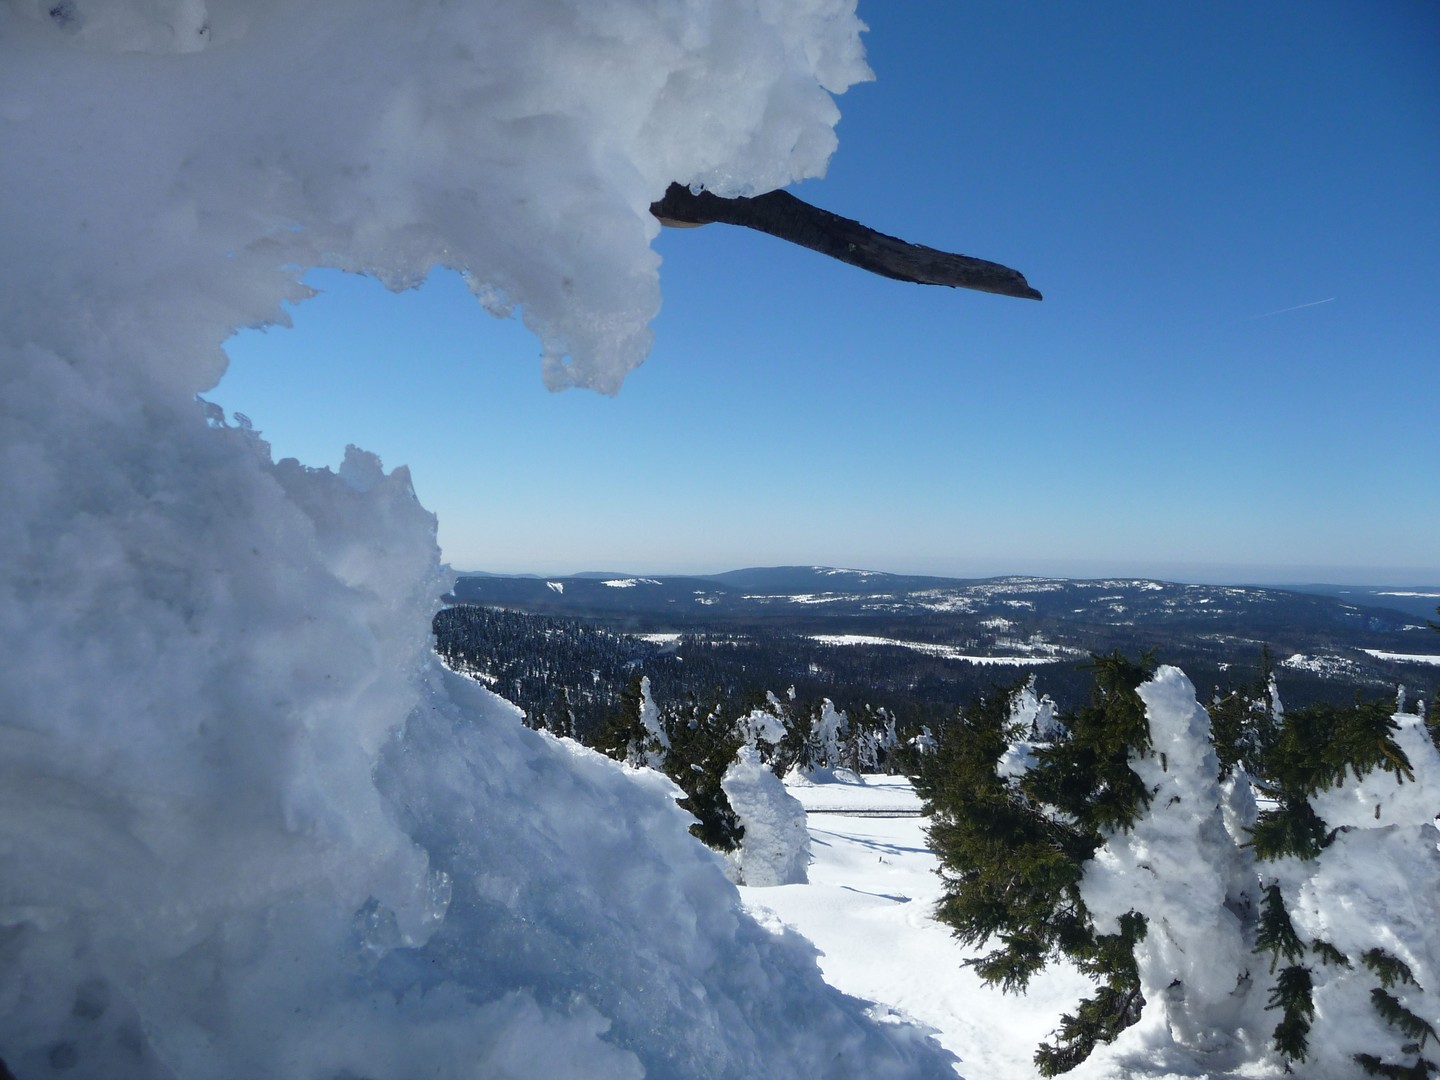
[{"x": 781, "y": 214}]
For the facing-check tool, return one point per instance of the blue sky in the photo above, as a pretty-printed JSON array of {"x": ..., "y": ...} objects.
[{"x": 1171, "y": 176}]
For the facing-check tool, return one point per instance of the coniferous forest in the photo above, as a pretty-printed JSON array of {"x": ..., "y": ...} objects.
[{"x": 1051, "y": 819}]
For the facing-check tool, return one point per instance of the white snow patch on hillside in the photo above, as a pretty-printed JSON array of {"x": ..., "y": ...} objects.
[
  {"x": 947, "y": 652},
  {"x": 1333, "y": 666},
  {"x": 1403, "y": 658},
  {"x": 629, "y": 583},
  {"x": 801, "y": 598}
]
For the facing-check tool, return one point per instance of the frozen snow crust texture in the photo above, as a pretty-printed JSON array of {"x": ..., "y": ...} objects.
[
  {"x": 170, "y": 164},
  {"x": 248, "y": 827}
]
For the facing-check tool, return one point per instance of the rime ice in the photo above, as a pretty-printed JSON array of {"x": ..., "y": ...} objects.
[{"x": 248, "y": 826}]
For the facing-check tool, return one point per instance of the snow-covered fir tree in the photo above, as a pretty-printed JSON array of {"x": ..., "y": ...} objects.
[{"x": 1303, "y": 932}]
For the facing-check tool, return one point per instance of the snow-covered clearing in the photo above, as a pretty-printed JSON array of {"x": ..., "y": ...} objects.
[
  {"x": 660, "y": 638},
  {"x": 945, "y": 652},
  {"x": 868, "y": 908},
  {"x": 1403, "y": 658}
]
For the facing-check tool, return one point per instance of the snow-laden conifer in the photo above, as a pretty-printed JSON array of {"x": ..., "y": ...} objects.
[
  {"x": 775, "y": 842},
  {"x": 1013, "y": 842},
  {"x": 1179, "y": 867},
  {"x": 1361, "y": 879}
]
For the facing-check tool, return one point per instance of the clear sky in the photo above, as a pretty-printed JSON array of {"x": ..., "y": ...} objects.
[{"x": 1233, "y": 210}]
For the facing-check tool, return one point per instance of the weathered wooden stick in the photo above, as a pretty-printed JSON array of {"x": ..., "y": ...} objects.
[{"x": 781, "y": 214}]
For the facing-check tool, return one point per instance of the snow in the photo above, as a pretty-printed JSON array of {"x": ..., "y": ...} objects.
[
  {"x": 629, "y": 583},
  {"x": 1181, "y": 869},
  {"x": 947, "y": 652},
  {"x": 1404, "y": 658},
  {"x": 868, "y": 909},
  {"x": 556, "y": 586},
  {"x": 650, "y": 721},
  {"x": 1375, "y": 887},
  {"x": 775, "y": 849},
  {"x": 838, "y": 790},
  {"x": 763, "y": 725},
  {"x": 1332, "y": 666},
  {"x": 249, "y": 826}
]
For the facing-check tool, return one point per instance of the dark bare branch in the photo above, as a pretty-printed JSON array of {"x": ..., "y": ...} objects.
[{"x": 781, "y": 214}]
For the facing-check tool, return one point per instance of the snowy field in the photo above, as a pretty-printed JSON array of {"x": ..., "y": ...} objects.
[{"x": 868, "y": 909}]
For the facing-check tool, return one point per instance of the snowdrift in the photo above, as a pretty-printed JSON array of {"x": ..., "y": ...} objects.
[{"x": 248, "y": 826}]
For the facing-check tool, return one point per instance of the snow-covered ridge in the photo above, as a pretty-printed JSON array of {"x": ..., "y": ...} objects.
[{"x": 629, "y": 583}]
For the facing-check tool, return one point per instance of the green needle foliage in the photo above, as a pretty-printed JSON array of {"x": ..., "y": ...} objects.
[
  {"x": 1319, "y": 748},
  {"x": 702, "y": 747},
  {"x": 1276, "y": 934},
  {"x": 1418, "y": 1032},
  {"x": 1293, "y": 991},
  {"x": 1391, "y": 969},
  {"x": 622, "y": 735},
  {"x": 1293, "y": 995},
  {"x": 1116, "y": 1004},
  {"x": 1422, "y": 1069},
  {"x": 1013, "y": 849},
  {"x": 1329, "y": 954},
  {"x": 1243, "y": 722}
]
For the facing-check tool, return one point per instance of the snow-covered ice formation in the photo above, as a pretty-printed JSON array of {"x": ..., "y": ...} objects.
[{"x": 248, "y": 826}]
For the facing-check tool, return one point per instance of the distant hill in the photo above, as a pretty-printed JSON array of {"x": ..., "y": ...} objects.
[
  {"x": 1417, "y": 600},
  {"x": 1326, "y": 645}
]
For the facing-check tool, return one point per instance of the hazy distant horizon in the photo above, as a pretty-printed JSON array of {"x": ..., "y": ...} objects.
[{"x": 1183, "y": 573}]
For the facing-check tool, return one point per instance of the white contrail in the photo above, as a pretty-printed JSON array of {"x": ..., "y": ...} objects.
[{"x": 1297, "y": 307}]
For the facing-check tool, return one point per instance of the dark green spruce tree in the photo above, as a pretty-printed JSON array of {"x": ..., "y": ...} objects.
[
  {"x": 1013, "y": 849},
  {"x": 622, "y": 735},
  {"x": 703, "y": 744},
  {"x": 1243, "y": 720}
]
